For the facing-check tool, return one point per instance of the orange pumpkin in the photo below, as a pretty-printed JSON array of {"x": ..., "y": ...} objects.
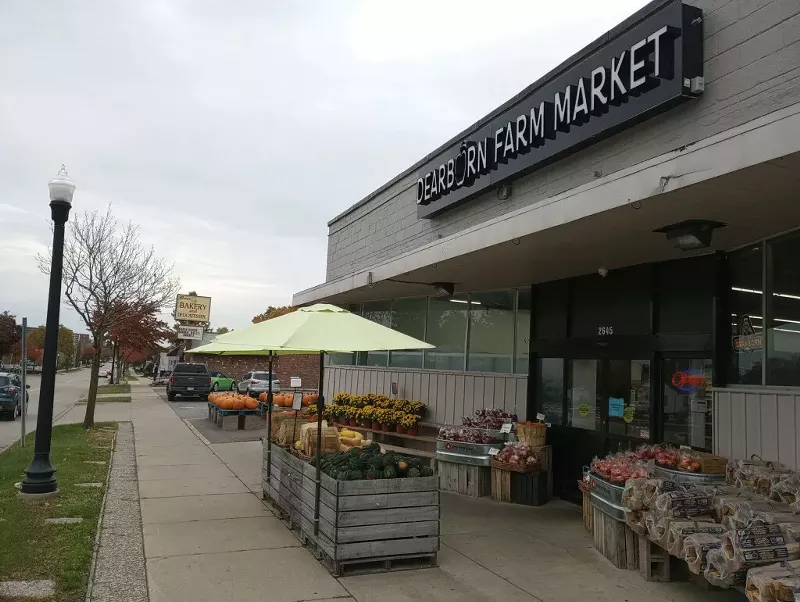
[
  {"x": 263, "y": 397},
  {"x": 223, "y": 402},
  {"x": 250, "y": 403},
  {"x": 238, "y": 402},
  {"x": 310, "y": 398}
]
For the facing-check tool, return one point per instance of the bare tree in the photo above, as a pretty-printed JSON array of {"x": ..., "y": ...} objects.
[{"x": 109, "y": 273}]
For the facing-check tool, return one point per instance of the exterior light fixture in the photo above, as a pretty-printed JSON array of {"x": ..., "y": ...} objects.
[
  {"x": 444, "y": 289},
  {"x": 690, "y": 234},
  {"x": 504, "y": 192}
]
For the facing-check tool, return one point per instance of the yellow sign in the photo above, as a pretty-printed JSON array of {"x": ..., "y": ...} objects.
[
  {"x": 583, "y": 409},
  {"x": 190, "y": 308},
  {"x": 627, "y": 414}
]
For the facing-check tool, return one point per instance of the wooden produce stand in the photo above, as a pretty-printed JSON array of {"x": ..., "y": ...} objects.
[{"x": 382, "y": 524}]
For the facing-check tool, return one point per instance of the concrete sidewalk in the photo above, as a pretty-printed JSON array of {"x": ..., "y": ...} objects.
[{"x": 208, "y": 536}]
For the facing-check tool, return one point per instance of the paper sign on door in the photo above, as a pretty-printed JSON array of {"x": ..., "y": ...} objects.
[{"x": 616, "y": 407}]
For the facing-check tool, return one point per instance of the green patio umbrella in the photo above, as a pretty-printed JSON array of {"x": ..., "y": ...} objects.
[{"x": 320, "y": 328}]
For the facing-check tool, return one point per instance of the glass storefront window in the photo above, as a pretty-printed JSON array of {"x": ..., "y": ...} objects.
[
  {"x": 783, "y": 310},
  {"x": 379, "y": 312},
  {"x": 447, "y": 330},
  {"x": 550, "y": 389},
  {"x": 747, "y": 325},
  {"x": 582, "y": 409},
  {"x": 687, "y": 402},
  {"x": 408, "y": 317},
  {"x": 628, "y": 398},
  {"x": 521, "y": 354},
  {"x": 491, "y": 331}
]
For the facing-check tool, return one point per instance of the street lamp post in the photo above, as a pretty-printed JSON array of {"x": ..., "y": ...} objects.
[{"x": 40, "y": 475}]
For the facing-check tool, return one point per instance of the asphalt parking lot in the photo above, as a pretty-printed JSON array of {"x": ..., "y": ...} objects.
[{"x": 195, "y": 411}]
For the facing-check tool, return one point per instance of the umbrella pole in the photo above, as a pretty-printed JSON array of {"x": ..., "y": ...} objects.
[
  {"x": 320, "y": 407},
  {"x": 269, "y": 422}
]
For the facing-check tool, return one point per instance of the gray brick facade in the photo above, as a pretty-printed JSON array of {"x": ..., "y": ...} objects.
[{"x": 752, "y": 68}]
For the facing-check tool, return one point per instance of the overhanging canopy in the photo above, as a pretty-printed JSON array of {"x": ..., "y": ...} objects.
[{"x": 320, "y": 327}]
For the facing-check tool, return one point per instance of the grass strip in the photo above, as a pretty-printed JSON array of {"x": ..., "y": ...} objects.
[
  {"x": 105, "y": 389},
  {"x": 119, "y": 399},
  {"x": 32, "y": 549}
]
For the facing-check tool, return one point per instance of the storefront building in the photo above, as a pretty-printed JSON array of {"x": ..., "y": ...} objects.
[{"x": 616, "y": 247}]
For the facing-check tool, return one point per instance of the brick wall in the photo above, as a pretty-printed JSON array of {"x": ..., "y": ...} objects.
[
  {"x": 751, "y": 67},
  {"x": 284, "y": 366}
]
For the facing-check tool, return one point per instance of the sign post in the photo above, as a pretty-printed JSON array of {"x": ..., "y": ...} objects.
[{"x": 23, "y": 366}]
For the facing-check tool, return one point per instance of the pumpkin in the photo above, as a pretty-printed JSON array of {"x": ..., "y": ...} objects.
[
  {"x": 238, "y": 403},
  {"x": 250, "y": 403},
  {"x": 309, "y": 399},
  {"x": 224, "y": 402},
  {"x": 262, "y": 397}
]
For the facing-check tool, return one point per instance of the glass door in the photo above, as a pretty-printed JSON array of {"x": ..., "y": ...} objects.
[{"x": 627, "y": 403}]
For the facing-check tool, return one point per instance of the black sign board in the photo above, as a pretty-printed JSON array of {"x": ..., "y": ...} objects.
[{"x": 646, "y": 69}]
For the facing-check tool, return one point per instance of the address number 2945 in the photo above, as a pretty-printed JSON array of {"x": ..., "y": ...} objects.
[{"x": 605, "y": 330}]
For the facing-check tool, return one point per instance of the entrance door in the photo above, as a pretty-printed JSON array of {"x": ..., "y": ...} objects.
[{"x": 607, "y": 409}]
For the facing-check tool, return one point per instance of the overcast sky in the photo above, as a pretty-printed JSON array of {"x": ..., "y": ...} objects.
[{"x": 232, "y": 131}]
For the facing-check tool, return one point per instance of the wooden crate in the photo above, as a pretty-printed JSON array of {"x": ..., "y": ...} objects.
[
  {"x": 615, "y": 540},
  {"x": 465, "y": 479},
  {"x": 654, "y": 561},
  {"x": 711, "y": 464},
  {"x": 501, "y": 485},
  {"x": 364, "y": 526},
  {"x": 587, "y": 505}
]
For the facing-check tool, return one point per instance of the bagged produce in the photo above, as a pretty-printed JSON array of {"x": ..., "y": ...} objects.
[
  {"x": 618, "y": 468},
  {"x": 776, "y": 582},
  {"x": 658, "y": 527},
  {"x": 489, "y": 418},
  {"x": 679, "y": 530},
  {"x": 633, "y": 494},
  {"x": 684, "y": 504},
  {"x": 696, "y": 547},
  {"x": 758, "y": 544},
  {"x": 720, "y": 572},
  {"x": 786, "y": 489},
  {"x": 755, "y": 475},
  {"x": 740, "y": 512},
  {"x": 655, "y": 487},
  {"x": 635, "y": 519}
]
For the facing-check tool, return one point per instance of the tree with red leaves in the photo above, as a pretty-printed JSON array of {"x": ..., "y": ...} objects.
[
  {"x": 273, "y": 312},
  {"x": 136, "y": 336}
]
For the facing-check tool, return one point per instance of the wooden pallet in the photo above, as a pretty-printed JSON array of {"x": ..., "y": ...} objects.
[
  {"x": 615, "y": 540},
  {"x": 587, "y": 505},
  {"x": 654, "y": 561}
]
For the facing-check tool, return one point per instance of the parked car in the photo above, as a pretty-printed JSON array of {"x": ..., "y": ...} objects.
[
  {"x": 254, "y": 383},
  {"x": 220, "y": 382},
  {"x": 11, "y": 404},
  {"x": 189, "y": 380}
]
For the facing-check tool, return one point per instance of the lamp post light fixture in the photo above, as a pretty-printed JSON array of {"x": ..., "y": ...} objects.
[{"x": 40, "y": 475}]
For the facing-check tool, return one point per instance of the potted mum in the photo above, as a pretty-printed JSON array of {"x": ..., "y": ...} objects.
[
  {"x": 410, "y": 422},
  {"x": 367, "y": 416}
]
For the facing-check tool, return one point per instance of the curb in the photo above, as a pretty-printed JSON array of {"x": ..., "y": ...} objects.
[{"x": 93, "y": 567}]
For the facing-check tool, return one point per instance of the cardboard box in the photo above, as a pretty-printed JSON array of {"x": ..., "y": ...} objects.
[{"x": 711, "y": 464}]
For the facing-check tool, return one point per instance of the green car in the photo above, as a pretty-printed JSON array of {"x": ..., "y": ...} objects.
[{"x": 220, "y": 382}]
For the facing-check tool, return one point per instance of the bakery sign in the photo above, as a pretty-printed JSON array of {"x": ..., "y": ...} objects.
[
  {"x": 645, "y": 66},
  {"x": 192, "y": 308}
]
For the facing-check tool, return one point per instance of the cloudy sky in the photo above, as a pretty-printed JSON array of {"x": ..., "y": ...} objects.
[{"x": 233, "y": 131}]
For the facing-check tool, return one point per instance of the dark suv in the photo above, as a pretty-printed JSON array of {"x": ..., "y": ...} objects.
[
  {"x": 189, "y": 380},
  {"x": 11, "y": 404}
]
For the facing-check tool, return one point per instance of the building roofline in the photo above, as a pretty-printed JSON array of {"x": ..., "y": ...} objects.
[{"x": 636, "y": 17}]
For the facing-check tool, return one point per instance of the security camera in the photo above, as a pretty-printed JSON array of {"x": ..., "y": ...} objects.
[{"x": 603, "y": 272}]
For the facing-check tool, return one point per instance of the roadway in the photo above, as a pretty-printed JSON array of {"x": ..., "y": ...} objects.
[{"x": 70, "y": 386}]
